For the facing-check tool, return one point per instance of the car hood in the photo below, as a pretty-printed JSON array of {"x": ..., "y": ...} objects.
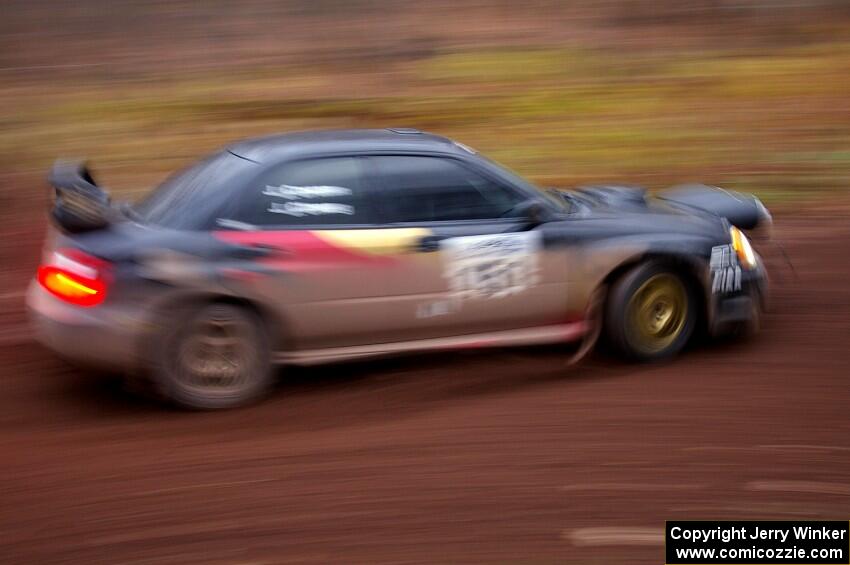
[
  {"x": 693, "y": 202},
  {"x": 625, "y": 210}
]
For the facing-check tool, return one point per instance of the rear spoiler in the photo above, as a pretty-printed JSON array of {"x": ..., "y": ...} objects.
[
  {"x": 743, "y": 211},
  {"x": 79, "y": 204}
]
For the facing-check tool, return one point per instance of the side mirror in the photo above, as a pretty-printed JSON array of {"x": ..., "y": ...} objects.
[{"x": 531, "y": 211}]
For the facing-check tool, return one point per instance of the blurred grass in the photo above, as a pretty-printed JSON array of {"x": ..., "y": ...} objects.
[{"x": 776, "y": 123}]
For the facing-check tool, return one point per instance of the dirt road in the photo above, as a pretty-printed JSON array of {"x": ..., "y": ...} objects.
[{"x": 485, "y": 457}]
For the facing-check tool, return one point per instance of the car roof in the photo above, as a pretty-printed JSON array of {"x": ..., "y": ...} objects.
[{"x": 311, "y": 143}]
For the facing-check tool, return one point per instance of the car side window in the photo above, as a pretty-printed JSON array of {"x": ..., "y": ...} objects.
[
  {"x": 324, "y": 191},
  {"x": 435, "y": 189}
]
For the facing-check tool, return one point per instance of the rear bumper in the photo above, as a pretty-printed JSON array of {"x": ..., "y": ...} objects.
[{"x": 101, "y": 336}]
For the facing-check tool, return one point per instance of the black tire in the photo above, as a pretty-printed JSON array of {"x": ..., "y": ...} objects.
[
  {"x": 651, "y": 313},
  {"x": 218, "y": 356}
]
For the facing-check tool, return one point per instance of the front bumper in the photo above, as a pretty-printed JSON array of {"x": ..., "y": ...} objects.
[
  {"x": 741, "y": 307},
  {"x": 103, "y": 336}
]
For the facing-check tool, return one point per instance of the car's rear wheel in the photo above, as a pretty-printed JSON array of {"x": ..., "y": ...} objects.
[
  {"x": 651, "y": 313},
  {"x": 218, "y": 357}
]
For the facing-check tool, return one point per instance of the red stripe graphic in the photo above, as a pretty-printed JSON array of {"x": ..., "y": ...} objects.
[{"x": 301, "y": 250}]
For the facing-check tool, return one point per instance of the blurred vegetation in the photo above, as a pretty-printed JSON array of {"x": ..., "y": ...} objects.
[{"x": 773, "y": 119}]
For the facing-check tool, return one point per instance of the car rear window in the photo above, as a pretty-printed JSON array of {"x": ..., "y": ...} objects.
[{"x": 192, "y": 198}]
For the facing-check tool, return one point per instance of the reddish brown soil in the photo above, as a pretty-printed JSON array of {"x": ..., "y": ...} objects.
[{"x": 484, "y": 457}]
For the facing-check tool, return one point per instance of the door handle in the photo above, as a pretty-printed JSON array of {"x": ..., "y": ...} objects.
[
  {"x": 428, "y": 244},
  {"x": 257, "y": 250}
]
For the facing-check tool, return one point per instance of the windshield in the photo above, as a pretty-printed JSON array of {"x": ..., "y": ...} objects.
[{"x": 189, "y": 199}]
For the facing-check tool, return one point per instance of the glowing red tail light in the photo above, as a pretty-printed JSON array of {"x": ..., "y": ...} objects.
[{"x": 75, "y": 277}]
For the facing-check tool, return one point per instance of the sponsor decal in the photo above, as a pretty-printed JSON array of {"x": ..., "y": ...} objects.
[
  {"x": 291, "y": 192},
  {"x": 301, "y": 209},
  {"x": 295, "y": 206},
  {"x": 437, "y": 308},
  {"x": 490, "y": 266},
  {"x": 725, "y": 270}
]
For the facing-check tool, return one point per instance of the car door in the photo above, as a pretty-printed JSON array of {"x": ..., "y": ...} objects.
[
  {"x": 477, "y": 269},
  {"x": 326, "y": 263}
]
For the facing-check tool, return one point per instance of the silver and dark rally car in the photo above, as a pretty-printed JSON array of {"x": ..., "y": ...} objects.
[{"x": 320, "y": 246}]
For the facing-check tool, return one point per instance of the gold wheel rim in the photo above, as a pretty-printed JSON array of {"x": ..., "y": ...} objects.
[{"x": 657, "y": 312}]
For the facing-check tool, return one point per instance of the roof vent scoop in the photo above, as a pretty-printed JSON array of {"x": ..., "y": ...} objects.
[
  {"x": 619, "y": 196},
  {"x": 405, "y": 131}
]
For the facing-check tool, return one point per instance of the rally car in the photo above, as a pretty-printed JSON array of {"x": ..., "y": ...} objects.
[{"x": 320, "y": 246}]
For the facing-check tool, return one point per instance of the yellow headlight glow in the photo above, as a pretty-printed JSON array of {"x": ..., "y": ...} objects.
[{"x": 742, "y": 247}]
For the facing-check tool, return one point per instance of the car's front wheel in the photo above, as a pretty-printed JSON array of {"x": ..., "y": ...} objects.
[
  {"x": 650, "y": 313},
  {"x": 217, "y": 357}
]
